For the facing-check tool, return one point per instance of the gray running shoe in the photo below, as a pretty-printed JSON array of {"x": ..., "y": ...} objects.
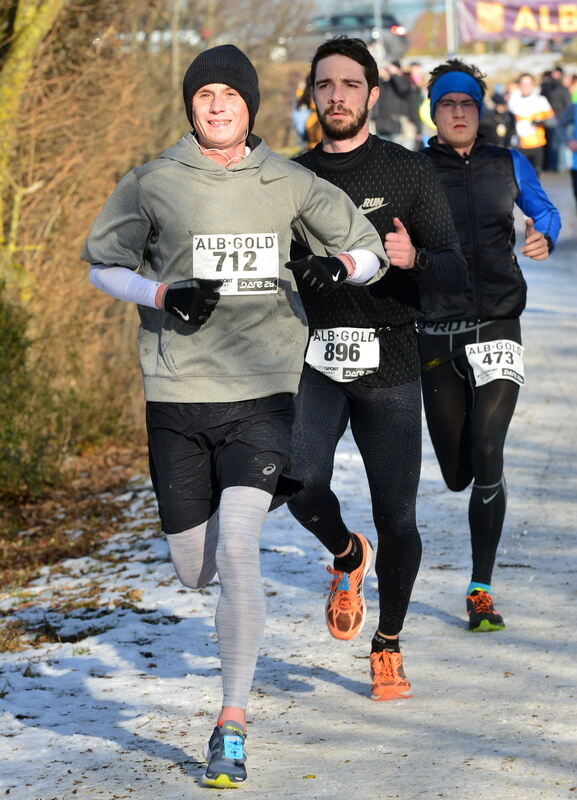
[{"x": 225, "y": 756}]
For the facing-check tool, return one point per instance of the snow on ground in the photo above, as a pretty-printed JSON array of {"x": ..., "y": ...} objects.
[{"x": 121, "y": 705}]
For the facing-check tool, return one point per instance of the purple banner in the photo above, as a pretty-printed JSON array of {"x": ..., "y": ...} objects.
[{"x": 484, "y": 20}]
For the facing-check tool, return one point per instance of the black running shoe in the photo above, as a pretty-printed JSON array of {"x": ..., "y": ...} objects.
[
  {"x": 225, "y": 757},
  {"x": 482, "y": 615}
]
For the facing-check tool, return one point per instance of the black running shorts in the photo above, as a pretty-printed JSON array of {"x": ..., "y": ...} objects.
[{"x": 198, "y": 449}]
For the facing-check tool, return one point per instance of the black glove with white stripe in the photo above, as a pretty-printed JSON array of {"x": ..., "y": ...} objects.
[
  {"x": 192, "y": 301},
  {"x": 320, "y": 273}
]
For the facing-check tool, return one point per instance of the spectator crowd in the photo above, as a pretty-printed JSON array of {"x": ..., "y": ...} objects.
[{"x": 537, "y": 117}]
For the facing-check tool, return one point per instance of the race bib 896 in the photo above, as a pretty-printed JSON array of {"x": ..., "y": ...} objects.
[
  {"x": 344, "y": 354},
  {"x": 246, "y": 263}
]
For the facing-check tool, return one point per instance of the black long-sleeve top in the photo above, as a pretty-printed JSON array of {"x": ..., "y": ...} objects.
[{"x": 385, "y": 180}]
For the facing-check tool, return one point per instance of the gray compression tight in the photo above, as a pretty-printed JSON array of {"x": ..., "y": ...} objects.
[{"x": 228, "y": 543}]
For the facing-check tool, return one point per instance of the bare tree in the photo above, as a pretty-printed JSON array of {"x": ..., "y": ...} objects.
[
  {"x": 25, "y": 25},
  {"x": 254, "y": 26}
]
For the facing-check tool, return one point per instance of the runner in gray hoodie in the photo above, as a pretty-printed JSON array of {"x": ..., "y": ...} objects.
[{"x": 200, "y": 239}]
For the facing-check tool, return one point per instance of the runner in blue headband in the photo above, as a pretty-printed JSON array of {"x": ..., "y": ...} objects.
[
  {"x": 469, "y": 391},
  {"x": 455, "y": 82}
]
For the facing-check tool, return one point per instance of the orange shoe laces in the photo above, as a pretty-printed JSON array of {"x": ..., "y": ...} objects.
[
  {"x": 334, "y": 584},
  {"x": 385, "y": 670},
  {"x": 344, "y": 600},
  {"x": 483, "y": 602}
]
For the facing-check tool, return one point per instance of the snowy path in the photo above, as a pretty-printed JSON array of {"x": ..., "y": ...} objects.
[{"x": 121, "y": 706}]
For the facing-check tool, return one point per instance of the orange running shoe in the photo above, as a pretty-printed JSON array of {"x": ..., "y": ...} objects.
[
  {"x": 388, "y": 679},
  {"x": 345, "y": 609}
]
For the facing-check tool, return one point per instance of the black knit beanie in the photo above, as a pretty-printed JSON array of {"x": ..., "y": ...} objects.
[{"x": 223, "y": 64}]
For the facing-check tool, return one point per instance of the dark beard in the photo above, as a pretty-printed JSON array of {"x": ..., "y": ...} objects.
[{"x": 343, "y": 130}]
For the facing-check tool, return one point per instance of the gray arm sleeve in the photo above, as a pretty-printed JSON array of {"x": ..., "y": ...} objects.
[
  {"x": 366, "y": 265},
  {"x": 124, "y": 284}
]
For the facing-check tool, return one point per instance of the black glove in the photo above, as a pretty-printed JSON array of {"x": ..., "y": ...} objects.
[
  {"x": 319, "y": 272},
  {"x": 192, "y": 301}
]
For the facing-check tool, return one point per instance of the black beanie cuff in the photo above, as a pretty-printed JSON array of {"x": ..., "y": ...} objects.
[{"x": 223, "y": 64}]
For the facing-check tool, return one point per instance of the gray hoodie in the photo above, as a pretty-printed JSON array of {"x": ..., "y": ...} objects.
[{"x": 183, "y": 216}]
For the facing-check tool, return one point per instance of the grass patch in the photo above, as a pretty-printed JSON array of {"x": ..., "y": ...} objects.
[{"x": 71, "y": 521}]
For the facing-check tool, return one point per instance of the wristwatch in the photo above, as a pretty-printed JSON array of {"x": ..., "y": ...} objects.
[{"x": 421, "y": 258}]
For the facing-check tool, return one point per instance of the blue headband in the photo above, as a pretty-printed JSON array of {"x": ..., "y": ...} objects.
[{"x": 455, "y": 82}]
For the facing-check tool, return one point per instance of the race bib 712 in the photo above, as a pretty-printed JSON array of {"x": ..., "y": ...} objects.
[{"x": 246, "y": 263}]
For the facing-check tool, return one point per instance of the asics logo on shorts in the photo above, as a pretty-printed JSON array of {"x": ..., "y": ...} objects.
[{"x": 269, "y": 469}]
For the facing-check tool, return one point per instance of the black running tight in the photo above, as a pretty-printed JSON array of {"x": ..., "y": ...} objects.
[
  {"x": 386, "y": 426},
  {"x": 468, "y": 426}
]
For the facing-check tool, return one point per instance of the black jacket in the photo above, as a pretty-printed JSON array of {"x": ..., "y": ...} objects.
[
  {"x": 394, "y": 103},
  {"x": 559, "y": 96},
  {"x": 481, "y": 189}
]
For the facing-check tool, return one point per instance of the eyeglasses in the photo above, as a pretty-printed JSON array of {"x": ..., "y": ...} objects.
[{"x": 451, "y": 105}]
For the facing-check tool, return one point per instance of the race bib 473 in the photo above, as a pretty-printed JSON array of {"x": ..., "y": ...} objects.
[{"x": 498, "y": 359}]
